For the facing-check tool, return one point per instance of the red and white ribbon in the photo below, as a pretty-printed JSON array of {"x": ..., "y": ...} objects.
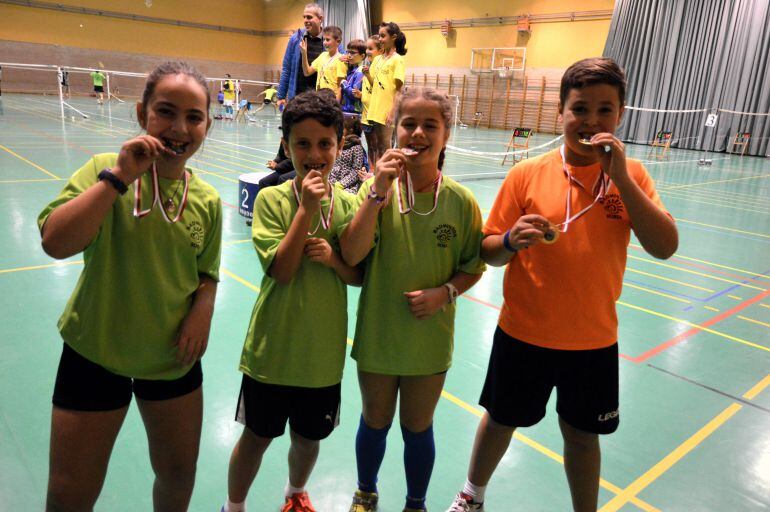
[
  {"x": 325, "y": 222},
  {"x": 598, "y": 191},
  {"x": 410, "y": 195},
  {"x": 139, "y": 213}
]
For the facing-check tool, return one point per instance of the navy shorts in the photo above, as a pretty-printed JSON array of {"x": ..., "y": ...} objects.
[
  {"x": 521, "y": 376},
  {"x": 83, "y": 385},
  {"x": 264, "y": 408}
]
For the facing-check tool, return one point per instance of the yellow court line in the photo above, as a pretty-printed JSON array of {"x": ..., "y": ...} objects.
[
  {"x": 735, "y": 297},
  {"x": 688, "y": 271},
  {"x": 39, "y": 267},
  {"x": 697, "y": 326},
  {"x": 754, "y": 321},
  {"x": 629, "y": 269},
  {"x": 680, "y": 451},
  {"x": 239, "y": 279},
  {"x": 234, "y": 242},
  {"x": 464, "y": 405},
  {"x": 720, "y": 181},
  {"x": 758, "y": 388},
  {"x": 213, "y": 174},
  {"x": 629, "y": 285},
  {"x": 32, "y": 181},
  {"x": 765, "y": 306},
  {"x": 544, "y": 450},
  {"x": 669, "y": 460},
  {"x": 722, "y": 227},
  {"x": 710, "y": 308},
  {"x": 718, "y": 265},
  {"x": 33, "y": 164}
]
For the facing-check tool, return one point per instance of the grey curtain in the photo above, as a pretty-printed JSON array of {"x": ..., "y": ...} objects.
[
  {"x": 352, "y": 16},
  {"x": 709, "y": 54}
]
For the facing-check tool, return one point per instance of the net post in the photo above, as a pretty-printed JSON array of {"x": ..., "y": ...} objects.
[{"x": 59, "y": 78}]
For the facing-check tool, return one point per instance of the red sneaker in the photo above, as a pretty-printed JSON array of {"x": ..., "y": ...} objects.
[{"x": 299, "y": 502}]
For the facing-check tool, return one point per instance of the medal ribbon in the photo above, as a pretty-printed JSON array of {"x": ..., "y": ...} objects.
[
  {"x": 325, "y": 222},
  {"x": 139, "y": 213},
  {"x": 600, "y": 188},
  {"x": 410, "y": 195}
]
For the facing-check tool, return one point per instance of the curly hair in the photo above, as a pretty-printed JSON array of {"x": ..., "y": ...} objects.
[{"x": 321, "y": 106}]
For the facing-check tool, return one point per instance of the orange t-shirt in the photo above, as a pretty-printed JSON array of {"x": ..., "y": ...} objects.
[{"x": 562, "y": 296}]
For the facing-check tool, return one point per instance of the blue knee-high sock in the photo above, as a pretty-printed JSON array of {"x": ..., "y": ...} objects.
[
  {"x": 370, "y": 450},
  {"x": 419, "y": 455}
]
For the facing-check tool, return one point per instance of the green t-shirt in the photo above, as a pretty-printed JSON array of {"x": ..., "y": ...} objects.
[
  {"x": 415, "y": 252},
  {"x": 298, "y": 331},
  {"x": 140, "y": 275},
  {"x": 97, "y": 77}
]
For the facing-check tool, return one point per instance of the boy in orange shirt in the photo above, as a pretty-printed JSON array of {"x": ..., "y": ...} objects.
[{"x": 561, "y": 223}]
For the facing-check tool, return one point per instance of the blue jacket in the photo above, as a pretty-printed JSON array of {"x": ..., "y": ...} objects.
[
  {"x": 292, "y": 65},
  {"x": 355, "y": 78}
]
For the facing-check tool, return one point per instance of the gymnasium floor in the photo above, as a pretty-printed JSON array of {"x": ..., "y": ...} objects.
[{"x": 694, "y": 340}]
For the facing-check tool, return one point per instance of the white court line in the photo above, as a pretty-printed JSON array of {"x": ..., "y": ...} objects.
[
  {"x": 645, "y": 162},
  {"x": 130, "y": 121}
]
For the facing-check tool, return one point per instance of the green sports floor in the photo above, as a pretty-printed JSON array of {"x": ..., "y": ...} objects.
[{"x": 694, "y": 339}]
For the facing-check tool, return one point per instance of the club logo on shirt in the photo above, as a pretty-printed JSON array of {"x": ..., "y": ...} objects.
[
  {"x": 613, "y": 206},
  {"x": 197, "y": 233},
  {"x": 444, "y": 234}
]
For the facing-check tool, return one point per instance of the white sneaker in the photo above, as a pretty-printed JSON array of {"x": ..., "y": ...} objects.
[{"x": 464, "y": 503}]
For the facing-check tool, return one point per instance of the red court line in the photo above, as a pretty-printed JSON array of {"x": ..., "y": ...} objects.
[
  {"x": 474, "y": 299},
  {"x": 230, "y": 205},
  {"x": 708, "y": 323}
]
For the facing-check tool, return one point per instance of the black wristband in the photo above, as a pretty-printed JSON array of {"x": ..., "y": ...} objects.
[{"x": 113, "y": 180}]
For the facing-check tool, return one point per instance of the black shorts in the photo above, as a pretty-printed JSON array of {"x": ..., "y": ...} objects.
[
  {"x": 83, "y": 385},
  {"x": 312, "y": 413},
  {"x": 98, "y": 88},
  {"x": 521, "y": 376},
  {"x": 266, "y": 101}
]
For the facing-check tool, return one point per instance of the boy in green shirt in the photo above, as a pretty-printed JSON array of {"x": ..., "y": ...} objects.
[
  {"x": 98, "y": 79},
  {"x": 295, "y": 348}
]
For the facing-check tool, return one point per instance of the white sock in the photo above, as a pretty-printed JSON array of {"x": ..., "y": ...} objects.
[
  {"x": 234, "y": 507},
  {"x": 475, "y": 491},
  {"x": 291, "y": 491}
]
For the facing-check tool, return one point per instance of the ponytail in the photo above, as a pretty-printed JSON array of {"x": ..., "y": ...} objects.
[{"x": 400, "y": 38}]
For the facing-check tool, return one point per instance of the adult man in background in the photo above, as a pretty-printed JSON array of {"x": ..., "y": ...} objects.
[{"x": 293, "y": 80}]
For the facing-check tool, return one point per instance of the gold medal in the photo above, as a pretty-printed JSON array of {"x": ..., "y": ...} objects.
[
  {"x": 551, "y": 235},
  {"x": 587, "y": 142}
]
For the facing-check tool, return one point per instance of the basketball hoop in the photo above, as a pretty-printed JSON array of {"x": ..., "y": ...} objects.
[{"x": 446, "y": 28}]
